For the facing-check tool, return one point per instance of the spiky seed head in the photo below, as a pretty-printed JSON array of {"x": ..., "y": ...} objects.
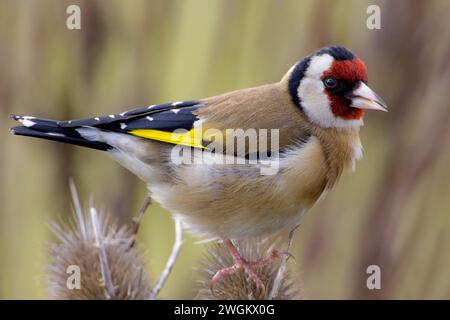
[
  {"x": 77, "y": 246},
  {"x": 236, "y": 286}
]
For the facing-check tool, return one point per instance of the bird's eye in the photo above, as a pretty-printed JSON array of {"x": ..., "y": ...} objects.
[{"x": 330, "y": 83}]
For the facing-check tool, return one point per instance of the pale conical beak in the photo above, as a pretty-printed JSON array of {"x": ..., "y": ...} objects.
[{"x": 363, "y": 97}]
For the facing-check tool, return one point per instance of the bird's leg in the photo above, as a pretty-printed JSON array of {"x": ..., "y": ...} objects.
[
  {"x": 136, "y": 221},
  {"x": 241, "y": 263},
  {"x": 275, "y": 254},
  {"x": 279, "y": 277}
]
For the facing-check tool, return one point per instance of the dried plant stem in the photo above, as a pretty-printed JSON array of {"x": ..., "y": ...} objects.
[
  {"x": 104, "y": 267},
  {"x": 138, "y": 219},
  {"x": 77, "y": 208},
  {"x": 282, "y": 269},
  {"x": 171, "y": 261}
]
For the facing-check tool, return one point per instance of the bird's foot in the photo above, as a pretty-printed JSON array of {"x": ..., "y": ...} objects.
[
  {"x": 275, "y": 254},
  {"x": 248, "y": 266}
]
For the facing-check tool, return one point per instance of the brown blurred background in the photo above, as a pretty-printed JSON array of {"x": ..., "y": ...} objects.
[{"x": 394, "y": 211}]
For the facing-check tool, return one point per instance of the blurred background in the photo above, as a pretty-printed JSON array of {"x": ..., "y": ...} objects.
[{"x": 394, "y": 211}]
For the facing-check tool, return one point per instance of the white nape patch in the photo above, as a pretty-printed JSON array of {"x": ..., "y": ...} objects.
[
  {"x": 112, "y": 116},
  {"x": 175, "y": 110},
  {"x": 27, "y": 122},
  {"x": 149, "y": 107},
  {"x": 122, "y": 125},
  {"x": 315, "y": 101},
  {"x": 176, "y": 103},
  {"x": 291, "y": 69},
  {"x": 97, "y": 119},
  {"x": 149, "y": 118},
  {"x": 56, "y": 134}
]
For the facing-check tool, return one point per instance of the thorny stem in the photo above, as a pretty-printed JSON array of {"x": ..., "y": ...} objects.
[
  {"x": 282, "y": 269},
  {"x": 171, "y": 261},
  {"x": 104, "y": 267}
]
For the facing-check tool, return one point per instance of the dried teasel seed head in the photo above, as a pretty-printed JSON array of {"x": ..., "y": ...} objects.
[
  {"x": 94, "y": 259},
  {"x": 236, "y": 286}
]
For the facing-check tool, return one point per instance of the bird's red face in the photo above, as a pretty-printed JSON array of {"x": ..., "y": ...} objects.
[
  {"x": 347, "y": 74},
  {"x": 330, "y": 86}
]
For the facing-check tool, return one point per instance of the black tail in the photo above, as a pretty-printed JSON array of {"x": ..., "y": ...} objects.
[{"x": 51, "y": 130}]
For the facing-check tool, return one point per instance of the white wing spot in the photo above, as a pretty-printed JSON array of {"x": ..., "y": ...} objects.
[
  {"x": 56, "y": 134},
  {"x": 122, "y": 125},
  {"x": 97, "y": 118},
  {"x": 122, "y": 113},
  {"x": 149, "y": 107},
  {"x": 175, "y": 110},
  {"x": 112, "y": 116},
  {"x": 149, "y": 118},
  {"x": 27, "y": 123},
  {"x": 69, "y": 122},
  {"x": 177, "y": 103}
]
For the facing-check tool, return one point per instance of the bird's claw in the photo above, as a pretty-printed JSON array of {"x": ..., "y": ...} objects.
[
  {"x": 248, "y": 267},
  {"x": 279, "y": 254},
  {"x": 244, "y": 265}
]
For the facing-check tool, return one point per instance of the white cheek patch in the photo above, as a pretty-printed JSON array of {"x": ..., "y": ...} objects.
[
  {"x": 318, "y": 65},
  {"x": 314, "y": 100}
]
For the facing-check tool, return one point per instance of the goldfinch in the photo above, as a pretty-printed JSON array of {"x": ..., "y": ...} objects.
[{"x": 314, "y": 112}]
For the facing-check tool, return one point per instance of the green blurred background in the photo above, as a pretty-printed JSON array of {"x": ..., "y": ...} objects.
[{"x": 392, "y": 212}]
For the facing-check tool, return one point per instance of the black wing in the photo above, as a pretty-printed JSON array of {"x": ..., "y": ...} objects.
[{"x": 165, "y": 117}]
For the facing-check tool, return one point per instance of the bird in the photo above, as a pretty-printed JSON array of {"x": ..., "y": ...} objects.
[{"x": 315, "y": 112}]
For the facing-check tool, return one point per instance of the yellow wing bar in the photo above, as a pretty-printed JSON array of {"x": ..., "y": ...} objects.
[{"x": 189, "y": 139}]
